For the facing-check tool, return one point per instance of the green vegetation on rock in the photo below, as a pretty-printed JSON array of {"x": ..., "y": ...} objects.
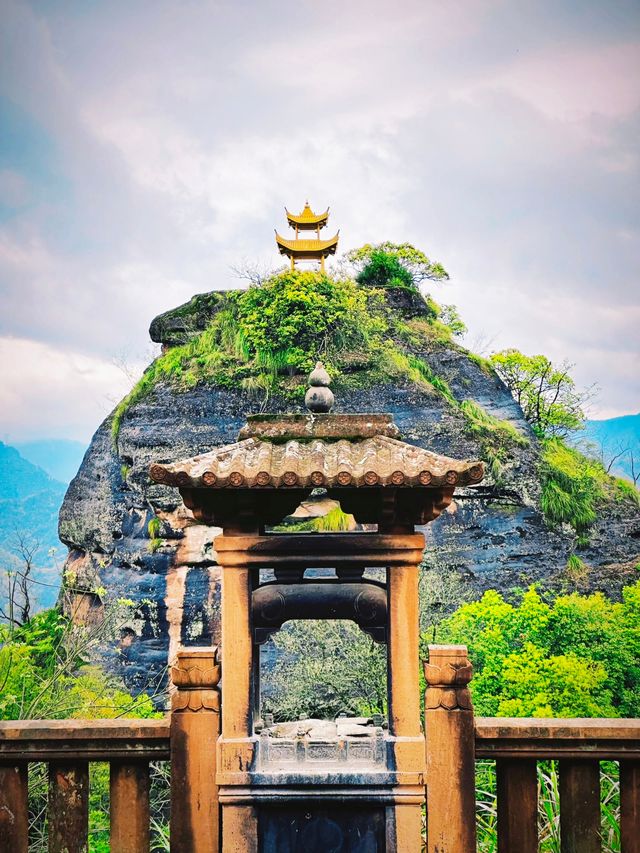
[
  {"x": 381, "y": 264},
  {"x": 545, "y": 392},
  {"x": 266, "y": 339},
  {"x": 574, "y": 485},
  {"x": 497, "y": 438}
]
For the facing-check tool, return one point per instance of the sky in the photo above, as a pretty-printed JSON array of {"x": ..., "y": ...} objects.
[{"x": 148, "y": 147}]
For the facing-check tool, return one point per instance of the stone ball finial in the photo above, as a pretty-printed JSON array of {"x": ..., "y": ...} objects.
[{"x": 319, "y": 398}]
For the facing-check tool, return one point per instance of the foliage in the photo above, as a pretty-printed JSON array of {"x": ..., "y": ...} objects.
[
  {"x": 496, "y": 438},
  {"x": 451, "y": 318},
  {"x": 486, "y": 426},
  {"x": 546, "y": 393},
  {"x": 296, "y": 318},
  {"x": 44, "y": 674},
  {"x": 573, "y": 485},
  {"x": 576, "y": 570},
  {"x": 575, "y": 657},
  {"x": 412, "y": 260},
  {"x": 325, "y": 667},
  {"x": 383, "y": 269},
  {"x": 335, "y": 520}
]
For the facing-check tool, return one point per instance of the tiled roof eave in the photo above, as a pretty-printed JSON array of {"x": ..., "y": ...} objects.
[{"x": 378, "y": 462}]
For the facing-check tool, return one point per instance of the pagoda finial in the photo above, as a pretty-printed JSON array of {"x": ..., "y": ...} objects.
[{"x": 319, "y": 398}]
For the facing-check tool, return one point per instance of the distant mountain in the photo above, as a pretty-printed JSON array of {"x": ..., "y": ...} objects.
[
  {"x": 29, "y": 503},
  {"x": 60, "y": 458},
  {"x": 615, "y": 436}
]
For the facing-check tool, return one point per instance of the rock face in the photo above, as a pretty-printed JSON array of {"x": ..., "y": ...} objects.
[{"x": 493, "y": 535}]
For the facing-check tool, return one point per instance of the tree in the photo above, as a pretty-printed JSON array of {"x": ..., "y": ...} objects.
[
  {"x": 574, "y": 657},
  {"x": 323, "y": 668},
  {"x": 545, "y": 392},
  {"x": 381, "y": 264},
  {"x": 15, "y": 609}
]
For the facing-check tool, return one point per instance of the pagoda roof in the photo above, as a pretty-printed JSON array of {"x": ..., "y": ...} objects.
[
  {"x": 307, "y": 248},
  {"x": 378, "y": 461},
  {"x": 307, "y": 219}
]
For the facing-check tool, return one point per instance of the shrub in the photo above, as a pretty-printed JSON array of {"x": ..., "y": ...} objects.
[
  {"x": 577, "y": 656},
  {"x": 384, "y": 270}
]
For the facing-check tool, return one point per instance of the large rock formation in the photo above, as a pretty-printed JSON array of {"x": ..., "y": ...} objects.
[{"x": 493, "y": 535}]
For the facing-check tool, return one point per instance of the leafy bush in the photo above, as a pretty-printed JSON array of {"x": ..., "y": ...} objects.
[
  {"x": 411, "y": 260},
  {"x": 578, "y": 656},
  {"x": 384, "y": 270},
  {"x": 298, "y": 317}
]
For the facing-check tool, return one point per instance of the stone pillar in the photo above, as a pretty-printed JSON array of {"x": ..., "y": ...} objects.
[
  {"x": 450, "y": 742},
  {"x": 403, "y": 688},
  {"x": 237, "y": 652},
  {"x": 195, "y": 727},
  {"x": 403, "y": 651}
]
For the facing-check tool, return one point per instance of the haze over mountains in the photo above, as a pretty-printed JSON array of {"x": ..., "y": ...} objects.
[
  {"x": 615, "y": 437},
  {"x": 30, "y": 498}
]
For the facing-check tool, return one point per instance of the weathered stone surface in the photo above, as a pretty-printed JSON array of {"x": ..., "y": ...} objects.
[
  {"x": 183, "y": 323},
  {"x": 493, "y": 536}
]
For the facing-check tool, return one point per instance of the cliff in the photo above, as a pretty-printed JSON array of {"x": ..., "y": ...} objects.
[{"x": 135, "y": 539}]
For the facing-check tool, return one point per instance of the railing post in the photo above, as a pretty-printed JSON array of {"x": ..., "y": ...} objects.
[
  {"x": 129, "y": 806},
  {"x": 68, "y": 806},
  {"x": 14, "y": 812},
  {"x": 450, "y": 743},
  {"x": 195, "y": 727},
  {"x": 517, "y": 783},
  {"x": 630, "y": 806},
  {"x": 580, "y": 806}
]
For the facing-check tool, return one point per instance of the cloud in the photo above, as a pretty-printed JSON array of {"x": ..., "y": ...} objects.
[
  {"x": 155, "y": 144},
  {"x": 66, "y": 391}
]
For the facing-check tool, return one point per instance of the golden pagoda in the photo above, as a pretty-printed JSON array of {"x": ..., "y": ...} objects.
[{"x": 307, "y": 249}]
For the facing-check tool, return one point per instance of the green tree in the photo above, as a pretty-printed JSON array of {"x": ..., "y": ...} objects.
[
  {"x": 44, "y": 673},
  {"x": 381, "y": 264},
  {"x": 325, "y": 667},
  {"x": 578, "y": 656},
  {"x": 545, "y": 392}
]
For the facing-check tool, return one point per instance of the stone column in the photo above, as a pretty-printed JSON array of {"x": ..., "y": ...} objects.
[
  {"x": 403, "y": 651},
  {"x": 450, "y": 743},
  {"x": 404, "y": 705},
  {"x": 195, "y": 727}
]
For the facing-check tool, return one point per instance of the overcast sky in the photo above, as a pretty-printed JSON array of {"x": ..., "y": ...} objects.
[{"x": 147, "y": 146}]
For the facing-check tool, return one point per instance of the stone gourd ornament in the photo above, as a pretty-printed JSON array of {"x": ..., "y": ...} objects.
[{"x": 319, "y": 398}]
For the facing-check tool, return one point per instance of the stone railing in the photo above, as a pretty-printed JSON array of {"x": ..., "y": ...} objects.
[{"x": 454, "y": 742}]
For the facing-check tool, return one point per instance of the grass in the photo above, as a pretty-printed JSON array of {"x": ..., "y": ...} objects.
[
  {"x": 548, "y": 807},
  {"x": 409, "y": 366},
  {"x": 576, "y": 570},
  {"x": 334, "y": 521},
  {"x": 481, "y": 423},
  {"x": 496, "y": 438}
]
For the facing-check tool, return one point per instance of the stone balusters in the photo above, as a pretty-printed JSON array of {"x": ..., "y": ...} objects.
[
  {"x": 450, "y": 745},
  {"x": 195, "y": 727}
]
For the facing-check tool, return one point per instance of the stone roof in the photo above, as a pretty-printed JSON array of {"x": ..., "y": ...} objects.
[{"x": 308, "y": 463}]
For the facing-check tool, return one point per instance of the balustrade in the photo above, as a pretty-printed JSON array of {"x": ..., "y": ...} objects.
[{"x": 454, "y": 742}]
